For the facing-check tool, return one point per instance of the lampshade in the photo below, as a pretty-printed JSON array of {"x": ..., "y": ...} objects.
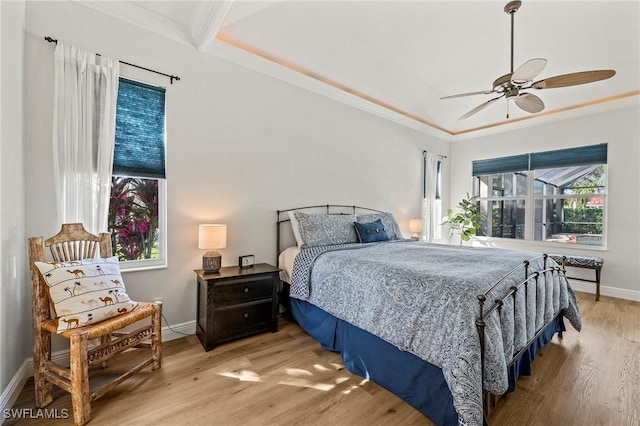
[
  {"x": 212, "y": 236},
  {"x": 415, "y": 225}
]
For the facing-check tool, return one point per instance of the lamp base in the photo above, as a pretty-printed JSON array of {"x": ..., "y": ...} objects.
[
  {"x": 211, "y": 261},
  {"x": 416, "y": 237}
]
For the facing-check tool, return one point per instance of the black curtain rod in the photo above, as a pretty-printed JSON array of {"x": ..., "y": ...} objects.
[
  {"x": 437, "y": 155},
  {"x": 171, "y": 77}
]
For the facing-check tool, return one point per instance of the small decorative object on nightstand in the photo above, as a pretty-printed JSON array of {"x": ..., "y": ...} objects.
[
  {"x": 236, "y": 302},
  {"x": 415, "y": 226},
  {"x": 212, "y": 237},
  {"x": 246, "y": 261}
]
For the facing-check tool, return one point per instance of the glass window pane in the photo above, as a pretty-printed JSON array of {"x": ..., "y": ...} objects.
[
  {"x": 570, "y": 220},
  {"x": 501, "y": 185},
  {"x": 133, "y": 218},
  {"x": 521, "y": 184},
  {"x": 508, "y": 219}
]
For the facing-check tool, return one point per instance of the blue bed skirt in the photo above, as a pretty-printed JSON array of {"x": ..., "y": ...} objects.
[{"x": 412, "y": 379}]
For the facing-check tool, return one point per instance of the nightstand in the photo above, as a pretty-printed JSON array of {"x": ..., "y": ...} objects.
[{"x": 236, "y": 302}]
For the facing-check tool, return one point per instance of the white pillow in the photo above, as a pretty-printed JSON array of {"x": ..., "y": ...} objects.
[
  {"x": 295, "y": 226},
  {"x": 85, "y": 292}
]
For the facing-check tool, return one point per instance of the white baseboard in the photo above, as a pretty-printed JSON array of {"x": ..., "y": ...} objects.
[
  {"x": 11, "y": 393},
  {"x": 178, "y": 330},
  {"x": 618, "y": 293}
]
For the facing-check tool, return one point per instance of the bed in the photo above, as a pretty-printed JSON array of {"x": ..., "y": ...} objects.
[{"x": 445, "y": 328}]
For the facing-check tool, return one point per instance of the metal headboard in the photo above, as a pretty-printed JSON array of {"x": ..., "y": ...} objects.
[{"x": 321, "y": 208}]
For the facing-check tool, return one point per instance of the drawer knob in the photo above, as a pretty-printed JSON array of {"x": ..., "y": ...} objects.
[
  {"x": 246, "y": 315},
  {"x": 246, "y": 289}
]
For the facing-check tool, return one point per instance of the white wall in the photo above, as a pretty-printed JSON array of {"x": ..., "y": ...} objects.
[
  {"x": 240, "y": 145},
  {"x": 619, "y": 128},
  {"x": 15, "y": 305}
]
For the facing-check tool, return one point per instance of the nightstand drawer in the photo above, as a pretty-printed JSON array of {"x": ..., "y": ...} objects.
[
  {"x": 233, "y": 292},
  {"x": 238, "y": 320}
]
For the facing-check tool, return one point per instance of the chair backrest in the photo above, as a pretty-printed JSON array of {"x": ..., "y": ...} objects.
[{"x": 73, "y": 242}]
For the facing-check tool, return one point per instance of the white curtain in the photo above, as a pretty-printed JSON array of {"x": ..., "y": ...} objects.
[
  {"x": 431, "y": 208},
  {"x": 84, "y": 120}
]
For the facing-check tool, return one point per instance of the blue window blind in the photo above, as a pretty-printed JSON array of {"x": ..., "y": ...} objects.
[
  {"x": 581, "y": 156},
  {"x": 140, "y": 116},
  {"x": 515, "y": 163}
]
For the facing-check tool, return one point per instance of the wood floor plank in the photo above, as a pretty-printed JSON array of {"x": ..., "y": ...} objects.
[{"x": 286, "y": 378}]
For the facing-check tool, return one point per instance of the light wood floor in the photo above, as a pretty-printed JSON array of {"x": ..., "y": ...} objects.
[{"x": 286, "y": 378}]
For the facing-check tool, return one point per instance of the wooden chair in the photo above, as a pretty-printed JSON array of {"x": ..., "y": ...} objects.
[{"x": 73, "y": 242}]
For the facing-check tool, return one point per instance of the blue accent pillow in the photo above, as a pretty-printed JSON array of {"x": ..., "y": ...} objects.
[
  {"x": 389, "y": 222},
  {"x": 371, "y": 232}
]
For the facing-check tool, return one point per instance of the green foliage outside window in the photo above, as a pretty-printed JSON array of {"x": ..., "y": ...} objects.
[
  {"x": 133, "y": 218},
  {"x": 582, "y": 220}
]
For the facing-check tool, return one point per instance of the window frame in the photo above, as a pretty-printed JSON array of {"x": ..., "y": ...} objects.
[
  {"x": 162, "y": 261},
  {"x": 530, "y": 200}
]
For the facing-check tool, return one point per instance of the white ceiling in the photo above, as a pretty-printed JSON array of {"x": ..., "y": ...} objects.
[{"x": 398, "y": 58}]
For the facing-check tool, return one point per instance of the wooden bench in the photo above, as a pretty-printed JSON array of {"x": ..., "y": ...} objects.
[{"x": 587, "y": 262}]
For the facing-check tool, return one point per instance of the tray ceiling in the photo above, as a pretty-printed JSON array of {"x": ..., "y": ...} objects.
[{"x": 398, "y": 58}]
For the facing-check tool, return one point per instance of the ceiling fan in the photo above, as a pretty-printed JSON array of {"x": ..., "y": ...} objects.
[{"x": 512, "y": 85}]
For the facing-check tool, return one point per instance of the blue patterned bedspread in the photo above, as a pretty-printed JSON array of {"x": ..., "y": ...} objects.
[{"x": 422, "y": 298}]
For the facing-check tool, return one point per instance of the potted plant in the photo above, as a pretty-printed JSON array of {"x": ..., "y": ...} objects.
[{"x": 466, "y": 221}]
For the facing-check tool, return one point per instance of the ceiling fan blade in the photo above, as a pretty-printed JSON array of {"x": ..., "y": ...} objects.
[
  {"x": 480, "y": 92},
  {"x": 573, "y": 79},
  {"x": 527, "y": 71},
  {"x": 529, "y": 102},
  {"x": 480, "y": 107}
]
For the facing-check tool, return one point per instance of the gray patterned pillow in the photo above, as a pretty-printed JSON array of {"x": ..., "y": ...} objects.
[
  {"x": 389, "y": 222},
  {"x": 326, "y": 229}
]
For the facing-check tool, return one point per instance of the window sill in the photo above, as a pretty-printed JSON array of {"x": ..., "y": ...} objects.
[
  {"x": 548, "y": 247},
  {"x": 142, "y": 265}
]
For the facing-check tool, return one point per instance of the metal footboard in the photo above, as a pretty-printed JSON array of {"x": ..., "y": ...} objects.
[{"x": 495, "y": 307}]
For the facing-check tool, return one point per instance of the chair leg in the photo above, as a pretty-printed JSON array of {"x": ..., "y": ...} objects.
[
  {"x": 598, "y": 272},
  {"x": 42, "y": 353},
  {"x": 156, "y": 338},
  {"x": 80, "y": 397},
  {"x": 104, "y": 340}
]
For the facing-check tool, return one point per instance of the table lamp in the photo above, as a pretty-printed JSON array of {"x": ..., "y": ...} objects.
[
  {"x": 415, "y": 226},
  {"x": 212, "y": 237}
]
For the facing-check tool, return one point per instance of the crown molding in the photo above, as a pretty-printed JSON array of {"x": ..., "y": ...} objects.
[
  {"x": 203, "y": 34},
  {"x": 133, "y": 14},
  {"x": 207, "y": 19}
]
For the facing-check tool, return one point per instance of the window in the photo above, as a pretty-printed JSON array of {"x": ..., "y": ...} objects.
[
  {"x": 137, "y": 206},
  {"x": 554, "y": 196}
]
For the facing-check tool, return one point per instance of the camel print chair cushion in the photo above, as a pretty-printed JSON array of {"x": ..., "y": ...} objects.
[{"x": 85, "y": 292}]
